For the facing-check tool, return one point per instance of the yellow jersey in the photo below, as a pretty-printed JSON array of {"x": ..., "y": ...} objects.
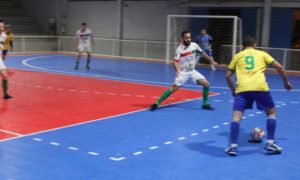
[
  {"x": 249, "y": 66},
  {"x": 9, "y": 38}
]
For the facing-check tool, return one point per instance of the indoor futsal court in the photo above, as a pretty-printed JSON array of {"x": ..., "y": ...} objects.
[
  {"x": 98, "y": 126},
  {"x": 87, "y": 89}
]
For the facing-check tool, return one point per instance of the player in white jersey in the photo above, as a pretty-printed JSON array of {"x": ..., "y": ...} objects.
[
  {"x": 3, "y": 71},
  {"x": 84, "y": 37},
  {"x": 184, "y": 62}
]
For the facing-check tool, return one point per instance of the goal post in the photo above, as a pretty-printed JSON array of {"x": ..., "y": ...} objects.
[{"x": 225, "y": 30}]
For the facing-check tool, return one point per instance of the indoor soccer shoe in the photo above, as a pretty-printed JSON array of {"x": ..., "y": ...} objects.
[
  {"x": 153, "y": 107},
  {"x": 88, "y": 67},
  {"x": 272, "y": 148},
  {"x": 76, "y": 67},
  {"x": 208, "y": 107},
  {"x": 231, "y": 151},
  {"x": 7, "y": 96}
]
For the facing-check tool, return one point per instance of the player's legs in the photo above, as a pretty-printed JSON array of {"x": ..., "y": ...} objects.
[
  {"x": 199, "y": 79},
  {"x": 271, "y": 147},
  {"x": 234, "y": 132},
  {"x": 242, "y": 101},
  {"x": 265, "y": 102},
  {"x": 164, "y": 96},
  {"x": 78, "y": 59},
  {"x": 88, "y": 60},
  {"x": 210, "y": 54},
  {"x": 4, "y": 76},
  {"x": 4, "y": 54},
  {"x": 180, "y": 80}
]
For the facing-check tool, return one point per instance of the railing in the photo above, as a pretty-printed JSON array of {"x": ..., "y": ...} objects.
[
  {"x": 147, "y": 50},
  {"x": 289, "y": 58}
]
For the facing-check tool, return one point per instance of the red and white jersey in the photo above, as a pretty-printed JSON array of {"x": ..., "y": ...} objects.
[
  {"x": 3, "y": 37},
  {"x": 84, "y": 36},
  {"x": 186, "y": 56}
]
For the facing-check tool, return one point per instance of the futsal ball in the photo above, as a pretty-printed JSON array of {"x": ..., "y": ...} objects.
[{"x": 257, "y": 134}]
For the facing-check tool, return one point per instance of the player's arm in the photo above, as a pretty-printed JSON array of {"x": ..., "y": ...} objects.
[
  {"x": 176, "y": 66},
  {"x": 11, "y": 44},
  {"x": 229, "y": 75},
  {"x": 287, "y": 85},
  {"x": 205, "y": 56}
]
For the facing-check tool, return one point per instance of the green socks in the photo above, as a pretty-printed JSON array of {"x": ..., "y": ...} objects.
[
  {"x": 205, "y": 92},
  {"x": 5, "y": 87},
  {"x": 164, "y": 96}
]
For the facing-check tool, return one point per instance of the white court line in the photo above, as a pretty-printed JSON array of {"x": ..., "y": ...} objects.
[
  {"x": 93, "y": 153},
  {"x": 155, "y": 83},
  {"x": 168, "y": 142},
  {"x": 117, "y": 159},
  {"x": 181, "y": 138},
  {"x": 153, "y": 147},
  {"x": 73, "y": 148},
  {"x": 137, "y": 153},
  {"x": 37, "y": 139},
  {"x": 92, "y": 121},
  {"x": 54, "y": 143},
  {"x": 194, "y": 134},
  {"x": 11, "y": 132}
]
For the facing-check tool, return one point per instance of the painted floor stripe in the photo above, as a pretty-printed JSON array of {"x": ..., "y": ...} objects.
[
  {"x": 138, "y": 153},
  {"x": 205, "y": 130},
  {"x": 215, "y": 127},
  {"x": 73, "y": 148},
  {"x": 93, "y": 153},
  {"x": 117, "y": 159},
  {"x": 37, "y": 139},
  {"x": 153, "y": 147},
  {"x": 54, "y": 143},
  {"x": 194, "y": 134},
  {"x": 181, "y": 138},
  {"x": 168, "y": 142}
]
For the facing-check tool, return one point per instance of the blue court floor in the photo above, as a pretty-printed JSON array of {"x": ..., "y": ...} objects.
[{"x": 178, "y": 141}]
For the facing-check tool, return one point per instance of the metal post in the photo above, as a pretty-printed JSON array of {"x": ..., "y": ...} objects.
[
  {"x": 234, "y": 37},
  {"x": 145, "y": 49},
  {"x": 168, "y": 40},
  {"x": 284, "y": 58},
  {"x": 120, "y": 24},
  {"x": 266, "y": 23},
  {"x": 23, "y": 44}
]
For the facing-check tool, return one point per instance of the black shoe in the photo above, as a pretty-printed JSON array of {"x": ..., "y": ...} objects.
[
  {"x": 208, "y": 107},
  {"x": 7, "y": 96},
  {"x": 88, "y": 67},
  {"x": 153, "y": 107},
  {"x": 76, "y": 67}
]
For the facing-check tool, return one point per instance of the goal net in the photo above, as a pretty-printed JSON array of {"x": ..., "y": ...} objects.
[{"x": 225, "y": 30}]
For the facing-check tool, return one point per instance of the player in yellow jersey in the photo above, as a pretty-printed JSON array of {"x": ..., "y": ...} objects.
[
  {"x": 249, "y": 66},
  {"x": 8, "y": 44}
]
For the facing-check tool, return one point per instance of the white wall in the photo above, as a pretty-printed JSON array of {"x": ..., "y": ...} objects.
[
  {"x": 141, "y": 20},
  {"x": 148, "y": 20},
  {"x": 42, "y": 10},
  {"x": 99, "y": 15}
]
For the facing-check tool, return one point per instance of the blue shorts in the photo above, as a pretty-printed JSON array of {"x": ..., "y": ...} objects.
[
  {"x": 208, "y": 52},
  {"x": 245, "y": 100},
  {"x": 4, "y": 52}
]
